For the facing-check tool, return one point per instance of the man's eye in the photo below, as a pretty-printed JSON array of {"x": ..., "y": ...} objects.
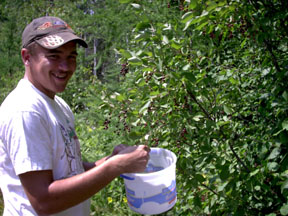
[
  {"x": 53, "y": 57},
  {"x": 73, "y": 57}
]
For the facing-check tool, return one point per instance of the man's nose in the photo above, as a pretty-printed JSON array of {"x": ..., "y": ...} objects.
[{"x": 64, "y": 65}]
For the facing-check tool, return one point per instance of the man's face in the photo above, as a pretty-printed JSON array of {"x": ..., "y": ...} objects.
[{"x": 50, "y": 70}]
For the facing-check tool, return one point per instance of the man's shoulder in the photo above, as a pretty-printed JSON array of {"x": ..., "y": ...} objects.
[{"x": 22, "y": 99}]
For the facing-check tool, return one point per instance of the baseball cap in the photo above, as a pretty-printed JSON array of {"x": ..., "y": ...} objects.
[{"x": 50, "y": 33}]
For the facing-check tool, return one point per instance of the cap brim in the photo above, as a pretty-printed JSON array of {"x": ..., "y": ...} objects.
[{"x": 56, "y": 40}]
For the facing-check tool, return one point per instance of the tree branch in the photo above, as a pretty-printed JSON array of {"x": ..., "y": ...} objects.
[
  {"x": 200, "y": 106},
  {"x": 221, "y": 131},
  {"x": 210, "y": 189}
]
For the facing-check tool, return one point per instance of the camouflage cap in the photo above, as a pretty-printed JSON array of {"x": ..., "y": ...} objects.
[{"x": 50, "y": 33}]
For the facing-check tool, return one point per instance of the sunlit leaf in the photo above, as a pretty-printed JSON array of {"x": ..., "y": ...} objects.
[
  {"x": 145, "y": 107},
  {"x": 222, "y": 187},
  {"x": 284, "y": 209},
  {"x": 273, "y": 166},
  {"x": 285, "y": 124},
  {"x": 125, "y": 53},
  {"x": 284, "y": 185},
  {"x": 137, "y": 6},
  {"x": 187, "y": 16},
  {"x": 135, "y": 60},
  {"x": 165, "y": 39},
  {"x": 228, "y": 110},
  {"x": 275, "y": 152},
  {"x": 120, "y": 98},
  {"x": 197, "y": 117}
]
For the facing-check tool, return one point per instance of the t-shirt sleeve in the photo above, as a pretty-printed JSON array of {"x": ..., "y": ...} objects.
[{"x": 29, "y": 143}]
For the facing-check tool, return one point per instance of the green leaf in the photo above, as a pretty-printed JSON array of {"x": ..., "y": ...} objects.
[
  {"x": 233, "y": 81},
  {"x": 120, "y": 98},
  {"x": 227, "y": 110},
  {"x": 125, "y": 53},
  {"x": 165, "y": 39},
  {"x": 99, "y": 63},
  {"x": 160, "y": 64},
  {"x": 135, "y": 61},
  {"x": 142, "y": 26},
  {"x": 254, "y": 172},
  {"x": 197, "y": 117},
  {"x": 189, "y": 76},
  {"x": 135, "y": 135},
  {"x": 199, "y": 178},
  {"x": 175, "y": 45},
  {"x": 186, "y": 67},
  {"x": 275, "y": 152},
  {"x": 193, "y": 4},
  {"x": 195, "y": 20},
  {"x": 284, "y": 209},
  {"x": 284, "y": 185},
  {"x": 273, "y": 166},
  {"x": 243, "y": 43},
  {"x": 285, "y": 95},
  {"x": 224, "y": 174},
  {"x": 137, "y": 6},
  {"x": 125, "y": 1},
  {"x": 284, "y": 137},
  {"x": 221, "y": 123},
  {"x": 211, "y": 6},
  {"x": 164, "y": 143},
  {"x": 202, "y": 25},
  {"x": 257, "y": 188},
  {"x": 187, "y": 16},
  {"x": 145, "y": 107},
  {"x": 221, "y": 187},
  {"x": 197, "y": 201},
  {"x": 154, "y": 93},
  {"x": 285, "y": 124}
]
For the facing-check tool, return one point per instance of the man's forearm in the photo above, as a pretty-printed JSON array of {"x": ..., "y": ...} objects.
[
  {"x": 65, "y": 193},
  {"x": 89, "y": 165}
]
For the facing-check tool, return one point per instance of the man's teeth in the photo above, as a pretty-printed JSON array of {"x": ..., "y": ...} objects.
[{"x": 60, "y": 76}]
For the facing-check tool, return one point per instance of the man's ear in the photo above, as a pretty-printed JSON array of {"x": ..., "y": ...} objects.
[{"x": 26, "y": 55}]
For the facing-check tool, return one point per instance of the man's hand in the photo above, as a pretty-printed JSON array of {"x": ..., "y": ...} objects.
[
  {"x": 132, "y": 158},
  {"x": 118, "y": 149}
]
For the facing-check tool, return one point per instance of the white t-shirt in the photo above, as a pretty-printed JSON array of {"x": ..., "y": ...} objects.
[{"x": 36, "y": 133}]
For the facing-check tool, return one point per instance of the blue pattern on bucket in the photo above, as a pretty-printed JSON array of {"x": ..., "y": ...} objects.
[
  {"x": 127, "y": 177},
  {"x": 168, "y": 194},
  {"x": 151, "y": 168},
  {"x": 130, "y": 191}
]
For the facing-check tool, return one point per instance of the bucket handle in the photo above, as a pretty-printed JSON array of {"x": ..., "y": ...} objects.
[{"x": 126, "y": 177}]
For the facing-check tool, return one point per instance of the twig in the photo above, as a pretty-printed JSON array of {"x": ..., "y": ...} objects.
[
  {"x": 210, "y": 189},
  {"x": 200, "y": 106}
]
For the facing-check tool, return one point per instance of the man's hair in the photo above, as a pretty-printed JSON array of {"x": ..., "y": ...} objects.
[{"x": 31, "y": 48}]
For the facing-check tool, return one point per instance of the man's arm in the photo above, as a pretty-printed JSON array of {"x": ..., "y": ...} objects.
[
  {"x": 88, "y": 165},
  {"x": 48, "y": 196}
]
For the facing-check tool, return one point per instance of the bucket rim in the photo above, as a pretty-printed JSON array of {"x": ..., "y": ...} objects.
[{"x": 156, "y": 172}]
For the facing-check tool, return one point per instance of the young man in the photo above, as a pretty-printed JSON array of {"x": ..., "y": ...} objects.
[{"x": 41, "y": 170}]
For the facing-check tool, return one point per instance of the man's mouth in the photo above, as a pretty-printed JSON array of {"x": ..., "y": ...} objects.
[{"x": 60, "y": 76}]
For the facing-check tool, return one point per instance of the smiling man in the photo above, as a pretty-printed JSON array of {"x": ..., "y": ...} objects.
[{"x": 41, "y": 170}]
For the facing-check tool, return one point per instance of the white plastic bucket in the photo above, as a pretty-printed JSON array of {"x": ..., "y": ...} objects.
[{"x": 153, "y": 192}]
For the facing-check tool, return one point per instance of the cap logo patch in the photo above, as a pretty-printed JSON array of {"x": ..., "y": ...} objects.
[
  {"x": 52, "y": 41},
  {"x": 56, "y": 24},
  {"x": 45, "y": 26}
]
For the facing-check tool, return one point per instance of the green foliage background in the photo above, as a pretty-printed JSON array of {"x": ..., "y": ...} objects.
[{"x": 205, "y": 79}]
